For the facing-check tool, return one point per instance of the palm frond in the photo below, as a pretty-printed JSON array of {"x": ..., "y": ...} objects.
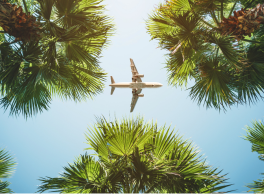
[
  {"x": 255, "y": 135},
  {"x": 7, "y": 167},
  {"x": 45, "y": 8},
  {"x": 214, "y": 85},
  {"x": 28, "y": 100},
  {"x": 85, "y": 175},
  {"x": 7, "y": 164},
  {"x": 3, "y": 187},
  {"x": 224, "y": 43},
  {"x": 257, "y": 186},
  {"x": 118, "y": 136},
  {"x": 250, "y": 83}
]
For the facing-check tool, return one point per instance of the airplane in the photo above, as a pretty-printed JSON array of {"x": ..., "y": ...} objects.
[{"x": 136, "y": 85}]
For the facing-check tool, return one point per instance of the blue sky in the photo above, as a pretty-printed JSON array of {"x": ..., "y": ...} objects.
[{"x": 42, "y": 145}]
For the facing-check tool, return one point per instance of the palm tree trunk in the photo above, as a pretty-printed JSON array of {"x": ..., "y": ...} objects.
[
  {"x": 243, "y": 23},
  {"x": 16, "y": 23}
]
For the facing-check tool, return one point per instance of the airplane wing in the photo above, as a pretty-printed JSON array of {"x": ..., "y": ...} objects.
[
  {"x": 134, "y": 98},
  {"x": 134, "y": 71}
]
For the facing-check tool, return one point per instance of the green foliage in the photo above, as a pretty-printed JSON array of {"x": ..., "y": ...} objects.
[
  {"x": 226, "y": 72},
  {"x": 7, "y": 166},
  {"x": 64, "y": 62},
  {"x": 250, "y": 3},
  {"x": 135, "y": 156},
  {"x": 255, "y": 135},
  {"x": 3, "y": 187},
  {"x": 85, "y": 175},
  {"x": 257, "y": 186},
  {"x": 214, "y": 87}
]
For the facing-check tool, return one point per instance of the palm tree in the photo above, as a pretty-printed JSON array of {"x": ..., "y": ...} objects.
[
  {"x": 52, "y": 52},
  {"x": 134, "y": 156},
  {"x": 255, "y": 135},
  {"x": 7, "y": 165},
  {"x": 199, "y": 49}
]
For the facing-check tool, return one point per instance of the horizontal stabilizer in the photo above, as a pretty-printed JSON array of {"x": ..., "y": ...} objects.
[
  {"x": 112, "y": 90},
  {"x": 112, "y": 80}
]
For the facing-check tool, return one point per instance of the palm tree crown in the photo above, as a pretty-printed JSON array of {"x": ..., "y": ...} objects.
[
  {"x": 134, "y": 156},
  {"x": 200, "y": 48},
  {"x": 62, "y": 61}
]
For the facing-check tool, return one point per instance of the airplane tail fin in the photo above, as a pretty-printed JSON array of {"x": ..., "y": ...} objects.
[{"x": 112, "y": 80}]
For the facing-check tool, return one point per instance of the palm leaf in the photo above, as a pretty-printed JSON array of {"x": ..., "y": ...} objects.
[
  {"x": 85, "y": 175},
  {"x": 3, "y": 187},
  {"x": 7, "y": 167},
  {"x": 214, "y": 88},
  {"x": 118, "y": 136},
  {"x": 7, "y": 164},
  {"x": 45, "y": 8},
  {"x": 231, "y": 54},
  {"x": 255, "y": 135},
  {"x": 257, "y": 186},
  {"x": 250, "y": 83}
]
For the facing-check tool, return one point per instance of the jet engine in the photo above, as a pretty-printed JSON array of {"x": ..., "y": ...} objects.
[{"x": 140, "y": 95}]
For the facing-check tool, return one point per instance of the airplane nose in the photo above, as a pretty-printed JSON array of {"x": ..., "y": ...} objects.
[{"x": 159, "y": 85}]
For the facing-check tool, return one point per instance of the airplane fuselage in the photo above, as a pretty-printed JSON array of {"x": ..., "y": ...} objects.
[{"x": 138, "y": 85}]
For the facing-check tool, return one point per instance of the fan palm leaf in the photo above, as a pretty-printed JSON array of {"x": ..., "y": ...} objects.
[
  {"x": 85, "y": 175},
  {"x": 250, "y": 83},
  {"x": 257, "y": 186},
  {"x": 7, "y": 166},
  {"x": 214, "y": 87},
  {"x": 3, "y": 187},
  {"x": 117, "y": 137},
  {"x": 255, "y": 135}
]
